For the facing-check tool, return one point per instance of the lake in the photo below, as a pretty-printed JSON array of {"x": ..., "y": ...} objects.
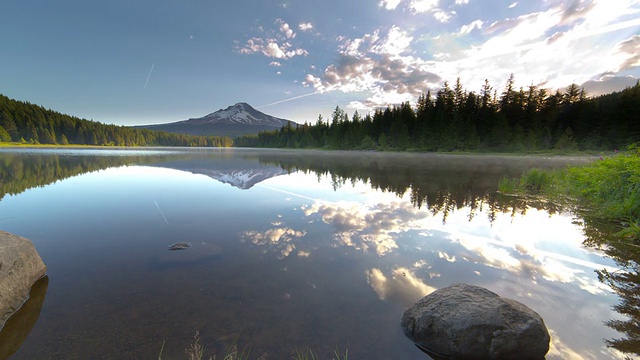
[{"x": 289, "y": 250}]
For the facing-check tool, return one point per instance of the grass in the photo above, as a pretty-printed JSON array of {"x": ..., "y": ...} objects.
[
  {"x": 195, "y": 351},
  {"x": 310, "y": 355},
  {"x": 609, "y": 188}
]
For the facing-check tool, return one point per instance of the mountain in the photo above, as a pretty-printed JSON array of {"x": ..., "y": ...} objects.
[
  {"x": 242, "y": 173},
  {"x": 236, "y": 120}
]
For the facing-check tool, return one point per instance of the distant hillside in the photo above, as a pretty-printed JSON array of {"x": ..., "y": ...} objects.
[
  {"x": 28, "y": 123},
  {"x": 236, "y": 120}
]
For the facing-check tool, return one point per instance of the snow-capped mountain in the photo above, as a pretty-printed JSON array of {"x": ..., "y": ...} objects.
[
  {"x": 240, "y": 113},
  {"x": 241, "y": 179},
  {"x": 242, "y": 173},
  {"x": 236, "y": 120}
]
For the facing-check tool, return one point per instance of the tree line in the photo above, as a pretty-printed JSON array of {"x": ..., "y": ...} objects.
[
  {"x": 454, "y": 119},
  {"x": 24, "y": 122}
]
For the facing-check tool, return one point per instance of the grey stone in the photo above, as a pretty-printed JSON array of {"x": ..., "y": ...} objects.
[
  {"x": 21, "y": 268},
  {"x": 470, "y": 322}
]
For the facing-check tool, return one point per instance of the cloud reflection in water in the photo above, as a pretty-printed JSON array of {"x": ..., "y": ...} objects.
[
  {"x": 368, "y": 227},
  {"x": 278, "y": 239},
  {"x": 401, "y": 285}
]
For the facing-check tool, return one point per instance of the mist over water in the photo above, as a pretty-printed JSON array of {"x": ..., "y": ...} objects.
[{"x": 289, "y": 250}]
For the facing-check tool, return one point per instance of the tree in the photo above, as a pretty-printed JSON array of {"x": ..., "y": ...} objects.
[{"x": 4, "y": 135}]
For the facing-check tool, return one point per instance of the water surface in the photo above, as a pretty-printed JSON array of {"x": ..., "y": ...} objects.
[{"x": 290, "y": 250}]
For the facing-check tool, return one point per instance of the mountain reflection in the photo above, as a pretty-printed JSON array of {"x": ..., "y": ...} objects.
[
  {"x": 425, "y": 194},
  {"x": 439, "y": 184},
  {"x": 240, "y": 172}
]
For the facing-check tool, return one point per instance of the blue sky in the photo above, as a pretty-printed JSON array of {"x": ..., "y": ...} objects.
[{"x": 156, "y": 61}]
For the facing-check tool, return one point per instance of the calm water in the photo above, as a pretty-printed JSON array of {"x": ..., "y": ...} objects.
[{"x": 290, "y": 250}]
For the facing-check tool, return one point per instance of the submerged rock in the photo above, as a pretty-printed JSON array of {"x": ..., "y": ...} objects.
[
  {"x": 19, "y": 325},
  {"x": 180, "y": 246},
  {"x": 20, "y": 267},
  {"x": 469, "y": 322},
  {"x": 199, "y": 251}
]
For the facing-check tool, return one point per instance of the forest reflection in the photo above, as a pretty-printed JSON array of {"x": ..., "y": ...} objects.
[
  {"x": 438, "y": 184},
  {"x": 444, "y": 184},
  {"x": 441, "y": 183}
]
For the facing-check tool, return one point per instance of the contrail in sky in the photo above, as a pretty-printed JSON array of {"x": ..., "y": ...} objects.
[
  {"x": 288, "y": 193},
  {"x": 161, "y": 213},
  {"x": 289, "y": 99},
  {"x": 148, "y": 76}
]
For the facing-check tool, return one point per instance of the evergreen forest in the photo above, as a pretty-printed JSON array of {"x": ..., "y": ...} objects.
[
  {"x": 455, "y": 119},
  {"x": 23, "y": 122}
]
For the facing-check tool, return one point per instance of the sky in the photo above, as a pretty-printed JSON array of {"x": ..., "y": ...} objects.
[{"x": 156, "y": 61}]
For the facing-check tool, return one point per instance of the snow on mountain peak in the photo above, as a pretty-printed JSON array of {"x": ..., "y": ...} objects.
[{"x": 239, "y": 113}]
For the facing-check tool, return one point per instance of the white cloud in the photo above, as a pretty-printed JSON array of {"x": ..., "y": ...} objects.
[
  {"x": 271, "y": 48},
  {"x": 368, "y": 227},
  {"x": 380, "y": 64},
  {"x": 276, "y": 64},
  {"x": 396, "y": 42},
  {"x": 443, "y": 16},
  {"x": 422, "y": 6},
  {"x": 402, "y": 285},
  {"x": 276, "y": 44},
  {"x": 629, "y": 53},
  {"x": 466, "y": 29},
  {"x": 278, "y": 240},
  {"x": 305, "y": 26},
  {"x": 285, "y": 29},
  {"x": 528, "y": 46},
  {"x": 389, "y": 4},
  {"x": 388, "y": 65}
]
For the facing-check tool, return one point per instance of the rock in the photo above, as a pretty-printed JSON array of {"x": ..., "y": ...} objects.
[
  {"x": 20, "y": 267},
  {"x": 199, "y": 251},
  {"x": 19, "y": 325},
  {"x": 469, "y": 322},
  {"x": 180, "y": 246}
]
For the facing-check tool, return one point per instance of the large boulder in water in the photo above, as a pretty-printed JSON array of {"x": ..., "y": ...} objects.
[
  {"x": 20, "y": 267},
  {"x": 469, "y": 322}
]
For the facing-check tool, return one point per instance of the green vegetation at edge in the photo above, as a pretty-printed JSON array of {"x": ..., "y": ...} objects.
[
  {"x": 606, "y": 196},
  {"x": 609, "y": 189},
  {"x": 454, "y": 119},
  {"x": 25, "y": 123},
  {"x": 195, "y": 351}
]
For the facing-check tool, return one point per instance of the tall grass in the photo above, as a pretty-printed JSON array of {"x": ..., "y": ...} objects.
[
  {"x": 310, "y": 355},
  {"x": 610, "y": 188},
  {"x": 195, "y": 351}
]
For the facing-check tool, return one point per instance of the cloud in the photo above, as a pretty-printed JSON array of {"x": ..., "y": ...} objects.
[
  {"x": 396, "y": 64},
  {"x": 279, "y": 240},
  {"x": 525, "y": 260},
  {"x": 285, "y": 29},
  {"x": 402, "y": 285},
  {"x": 422, "y": 6},
  {"x": 380, "y": 64},
  {"x": 389, "y": 4},
  {"x": 277, "y": 44},
  {"x": 630, "y": 49},
  {"x": 466, "y": 29},
  {"x": 368, "y": 227},
  {"x": 443, "y": 16},
  {"x": 271, "y": 48},
  {"x": 305, "y": 26},
  {"x": 275, "y": 63},
  {"x": 576, "y": 10}
]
